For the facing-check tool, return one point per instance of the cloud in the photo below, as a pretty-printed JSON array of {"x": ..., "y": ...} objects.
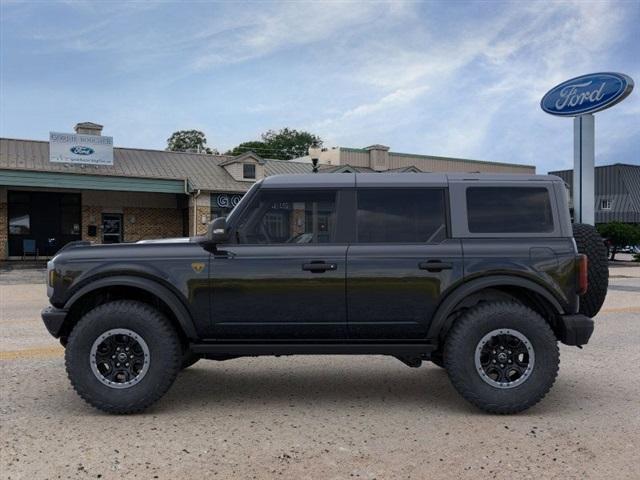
[
  {"x": 255, "y": 34},
  {"x": 484, "y": 80},
  {"x": 446, "y": 78}
]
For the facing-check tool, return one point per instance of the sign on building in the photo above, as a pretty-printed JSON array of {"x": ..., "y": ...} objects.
[
  {"x": 224, "y": 200},
  {"x": 80, "y": 149}
]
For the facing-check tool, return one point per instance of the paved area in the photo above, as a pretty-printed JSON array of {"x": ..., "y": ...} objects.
[{"x": 320, "y": 417}]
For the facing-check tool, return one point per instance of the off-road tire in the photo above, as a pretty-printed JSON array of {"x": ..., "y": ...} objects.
[
  {"x": 165, "y": 356},
  {"x": 591, "y": 244},
  {"x": 188, "y": 359},
  {"x": 464, "y": 337}
]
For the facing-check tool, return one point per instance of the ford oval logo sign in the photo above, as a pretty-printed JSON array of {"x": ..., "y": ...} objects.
[
  {"x": 80, "y": 150},
  {"x": 587, "y": 94}
]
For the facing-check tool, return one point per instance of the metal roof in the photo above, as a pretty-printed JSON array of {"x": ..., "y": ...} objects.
[
  {"x": 620, "y": 185},
  {"x": 198, "y": 170},
  {"x": 202, "y": 171}
]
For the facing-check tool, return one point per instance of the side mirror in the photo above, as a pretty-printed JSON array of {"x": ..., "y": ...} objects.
[{"x": 217, "y": 231}]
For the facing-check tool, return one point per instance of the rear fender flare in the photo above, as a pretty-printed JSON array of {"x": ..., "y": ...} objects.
[
  {"x": 163, "y": 293},
  {"x": 441, "y": 321}
]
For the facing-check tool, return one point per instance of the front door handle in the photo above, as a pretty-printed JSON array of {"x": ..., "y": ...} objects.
[
  {"x": 434, "y": 266},
  {"x": 318, "y": 267}
]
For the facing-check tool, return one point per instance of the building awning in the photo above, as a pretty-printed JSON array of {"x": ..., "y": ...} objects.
[{"x": 29, "y": 178}]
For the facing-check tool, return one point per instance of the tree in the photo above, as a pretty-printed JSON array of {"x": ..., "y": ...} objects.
[
  {"x": 284, "y": 144},
  {"x": 619, "y": 235},
  {"x": 257, "y": 147},
  {"x": 288, "y": 144},
  {"x": 188, "y": 141}
]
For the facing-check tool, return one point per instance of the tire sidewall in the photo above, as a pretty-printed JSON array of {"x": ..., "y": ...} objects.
[
  {"x": 142, "y": 320},
  {"x": 460, "y": 355}
]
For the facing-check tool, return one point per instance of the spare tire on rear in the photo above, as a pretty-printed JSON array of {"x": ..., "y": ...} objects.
[{"x": 591, "y": 244}]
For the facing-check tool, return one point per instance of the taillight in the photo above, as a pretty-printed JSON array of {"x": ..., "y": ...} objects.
[{"x": 583, "y": 277}]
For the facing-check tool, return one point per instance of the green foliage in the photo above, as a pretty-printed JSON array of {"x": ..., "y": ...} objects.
[
  {"x": 188, "y": 141},
  {"x": 257, "y": 147},
  {"x": 284, "y": 144},
  {"x": 619, "y": 235}
]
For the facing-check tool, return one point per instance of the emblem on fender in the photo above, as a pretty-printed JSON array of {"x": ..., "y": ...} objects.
[{"x": 197, "y": 267}]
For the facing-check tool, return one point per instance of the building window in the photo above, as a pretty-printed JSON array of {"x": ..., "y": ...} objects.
[
  {"x": 249, "y": 171},
  {"x": 19, "y": 213},
  {"x": 605, "y": 204}
]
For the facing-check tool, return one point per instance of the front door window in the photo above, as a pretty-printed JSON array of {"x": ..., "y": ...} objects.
[{"x": 290, "y": 217}]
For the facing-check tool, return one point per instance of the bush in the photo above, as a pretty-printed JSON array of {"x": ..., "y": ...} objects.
[{"x": 619, "y": 235}]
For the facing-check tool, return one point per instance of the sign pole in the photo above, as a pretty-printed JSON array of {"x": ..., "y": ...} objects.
[{"x": 583, "y": 169}]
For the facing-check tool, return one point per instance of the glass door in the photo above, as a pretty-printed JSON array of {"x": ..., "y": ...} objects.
[{"x": 111, "y": 228}]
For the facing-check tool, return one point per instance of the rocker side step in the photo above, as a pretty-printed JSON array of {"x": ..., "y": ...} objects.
[{"x": 402, "y": 349}]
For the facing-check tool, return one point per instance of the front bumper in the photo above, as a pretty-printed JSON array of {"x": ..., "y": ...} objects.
[
  {"x": 53, "y": 319},
  {"x": 575, "y": 329}
]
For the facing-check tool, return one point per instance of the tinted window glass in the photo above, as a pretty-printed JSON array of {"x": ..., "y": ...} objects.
[
  {"x": 401, "y": 216},
  {"x": 289, "y": 217},
  {"x": 249, "y": 170},
  {"x": 19, "y": 213},
  {"x": 509, "y": 210}
]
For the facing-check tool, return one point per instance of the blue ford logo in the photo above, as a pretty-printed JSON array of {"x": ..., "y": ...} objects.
[
  {"x": 587, "y": 94},
  {"x": 80, "y": 150}
]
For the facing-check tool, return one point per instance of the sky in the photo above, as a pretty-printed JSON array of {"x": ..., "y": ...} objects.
[{"x": 451, "y": 78}]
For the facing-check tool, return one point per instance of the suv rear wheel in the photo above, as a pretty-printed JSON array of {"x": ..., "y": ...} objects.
[
  {"x": 122, "y": 356},
  {"x": 502, "y": 357}
]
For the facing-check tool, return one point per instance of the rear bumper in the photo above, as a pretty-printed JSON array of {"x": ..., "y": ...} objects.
[
  {"x": 575, "y": 329},
  {"x": 53, "y": 319}
]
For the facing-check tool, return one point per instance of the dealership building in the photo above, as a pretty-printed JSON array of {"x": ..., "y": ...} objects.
[
  {"x": 616, "y": 192},
  {"x": 79, "y": 187}
]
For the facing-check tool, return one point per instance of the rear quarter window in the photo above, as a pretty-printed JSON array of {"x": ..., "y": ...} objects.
[{"x": 509, "y": 210}]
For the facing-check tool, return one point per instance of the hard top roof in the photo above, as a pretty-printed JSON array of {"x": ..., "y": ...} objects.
[{"x": 345, "y": 180}]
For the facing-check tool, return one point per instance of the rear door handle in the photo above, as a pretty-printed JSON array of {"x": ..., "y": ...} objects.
[
  {"x": 434, "y": 266},
  {"x": 318, "y": 267}
]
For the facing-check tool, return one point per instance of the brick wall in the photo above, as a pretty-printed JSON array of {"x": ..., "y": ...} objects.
[
  {"x": 91, "y": 216},
  {"x": 203, "y": 211},
  {"x": 139, "y": 223},
  {"x": 151, "y": 223}
]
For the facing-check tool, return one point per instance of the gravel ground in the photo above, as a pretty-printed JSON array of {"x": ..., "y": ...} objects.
[{"x": 320, "y": 417}]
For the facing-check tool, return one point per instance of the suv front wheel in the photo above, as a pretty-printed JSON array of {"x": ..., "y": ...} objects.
[
  {"x": 502, "y": 357},
  {"x": 122, "y": 356}
]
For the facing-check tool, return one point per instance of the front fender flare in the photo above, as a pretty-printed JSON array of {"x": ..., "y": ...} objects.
[
  {"x": 163, "y": 293},
  {"x": 441, "y": 321}
]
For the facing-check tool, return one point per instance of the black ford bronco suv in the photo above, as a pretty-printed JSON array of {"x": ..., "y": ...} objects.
[{"x": 480, "y": 274}]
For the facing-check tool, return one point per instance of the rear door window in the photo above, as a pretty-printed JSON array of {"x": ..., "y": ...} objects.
[
  {"x": 509, "y": 210},
  {"x": 401, "y": 215}
]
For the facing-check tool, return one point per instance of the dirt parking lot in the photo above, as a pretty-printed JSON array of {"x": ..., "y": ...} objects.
[{"x": 320, "y": 417}]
